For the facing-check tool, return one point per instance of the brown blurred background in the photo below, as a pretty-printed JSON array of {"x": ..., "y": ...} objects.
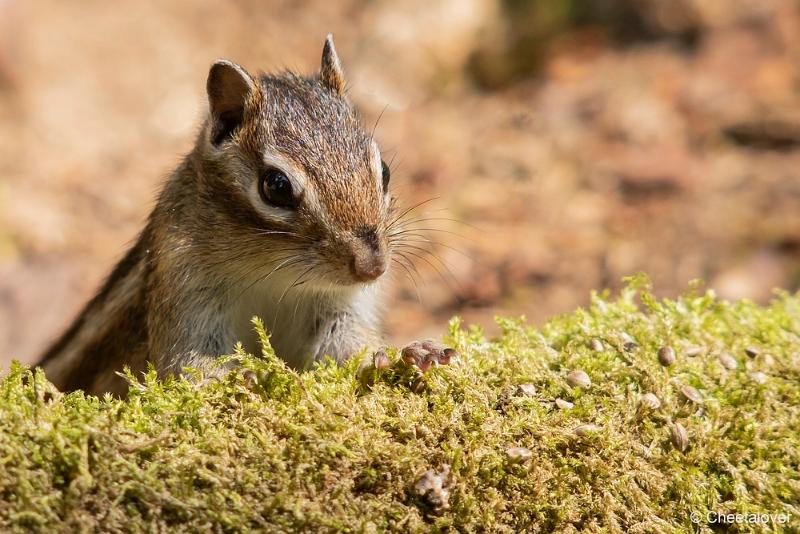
[{"x": 576, "y": 141}]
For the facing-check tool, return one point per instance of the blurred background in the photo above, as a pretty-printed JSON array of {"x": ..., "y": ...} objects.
[{"x": 575, "y": 142}]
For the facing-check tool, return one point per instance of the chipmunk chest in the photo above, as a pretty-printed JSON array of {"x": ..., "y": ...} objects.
[{"x": 295, "y": 323}]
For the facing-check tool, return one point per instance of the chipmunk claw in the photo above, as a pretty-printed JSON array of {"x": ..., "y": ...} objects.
[
  {"x": 373, "y": 367},
  {"x": 250, "y": 379},
  {"x": 380, "y": 360}
]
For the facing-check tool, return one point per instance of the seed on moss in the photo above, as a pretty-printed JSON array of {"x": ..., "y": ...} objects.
[
  {"x": 564, "y": 404},
  {"x": 526, "y": 390},
  {"x": 418, "y": 385},
  {"x": 430, "y": 487},
  {"x": 518, "y": 454},
  {"x": 596, "y": 345},
  {"x": 586, "y": 430},
  {"x": 692, "y": 394},
  {"x": 579, "y": 379},
  {"x": 651, "y": 401},
  {"x": 728, "y": 361},
  {"x": 421, "y": 431},
  {"x": 758, "y": 377},
  {"x": 752, "y": 351},
  {"x": 666, "y": 356},
  {"x": 679, "y": 437},
  {"x": 694, "y": 351}
]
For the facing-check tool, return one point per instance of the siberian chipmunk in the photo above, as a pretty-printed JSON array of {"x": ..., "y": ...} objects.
[{"x": 282, "y": 211}]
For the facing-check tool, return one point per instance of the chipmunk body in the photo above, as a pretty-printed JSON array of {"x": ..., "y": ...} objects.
[{"x": 280, "y": 211}]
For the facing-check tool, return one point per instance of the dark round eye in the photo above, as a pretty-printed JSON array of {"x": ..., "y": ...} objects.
[
  {"x": 276, "y": 189},
  {"x": 386, "y": 175}
]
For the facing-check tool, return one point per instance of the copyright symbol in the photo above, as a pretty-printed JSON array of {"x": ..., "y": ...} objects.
[{"x": 695, "y": 517}]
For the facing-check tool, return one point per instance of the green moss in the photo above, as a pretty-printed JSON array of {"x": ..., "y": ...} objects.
[{"x": 316, "y": 451}]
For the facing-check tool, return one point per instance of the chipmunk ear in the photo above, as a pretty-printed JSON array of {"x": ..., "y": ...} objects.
[
  {"x": 331, "y": 73},
  {"x": 229, "y": 86}
]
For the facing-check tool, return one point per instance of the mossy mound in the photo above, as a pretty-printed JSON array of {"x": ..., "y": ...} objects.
[{"x": 315, "y": 452}]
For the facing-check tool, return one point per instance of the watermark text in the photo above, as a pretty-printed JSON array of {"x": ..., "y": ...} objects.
[{"x": 731, "y": 518}]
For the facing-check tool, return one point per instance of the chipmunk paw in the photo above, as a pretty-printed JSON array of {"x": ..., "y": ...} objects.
[
  {"x": 427, "y": 354},
  {"x": 416, "y": 359}
]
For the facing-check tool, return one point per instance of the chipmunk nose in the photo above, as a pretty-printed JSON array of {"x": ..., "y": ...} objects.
[{"x": 369, "y": 261}]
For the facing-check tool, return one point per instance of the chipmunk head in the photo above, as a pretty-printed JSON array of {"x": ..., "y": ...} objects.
[{"x": 290, "y": 169}]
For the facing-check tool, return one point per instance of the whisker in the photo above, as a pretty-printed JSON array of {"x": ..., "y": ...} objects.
[
  {"x": 421, "y": 238},
  {"x": 409, "y": 210},
  {"x": 288, "y": 262},
  {"x": 403, "y": 231},
  {"x": 290, "y": 234},
  {"x": 449, "y": 219},
  {"x": 410, "y": 277},
  {"x": 454, "y": 280},
  {"x": 297, "y": 303},
  {"x": 280, "y": 300},
  {"x": 375, "y": 126},
  {"x": 413, "y": 273},
  {"x": 410, "y": 263},
  {"x": 429, "y": 253}
]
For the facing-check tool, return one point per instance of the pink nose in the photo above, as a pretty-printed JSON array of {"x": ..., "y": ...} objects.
[
  {"x": 368, "y": 260},
  {"x": 367, "y": 265}
]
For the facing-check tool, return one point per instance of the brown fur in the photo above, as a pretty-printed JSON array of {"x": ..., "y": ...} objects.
[{"x": 211, "y": 256}]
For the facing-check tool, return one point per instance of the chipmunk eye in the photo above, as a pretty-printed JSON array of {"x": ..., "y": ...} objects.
[
  {"x": 386, "y": 175},
  {"x": 276, "y": 189}
]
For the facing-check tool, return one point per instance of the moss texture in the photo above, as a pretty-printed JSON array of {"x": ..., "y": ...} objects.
[{"x": 319, "y": 451}]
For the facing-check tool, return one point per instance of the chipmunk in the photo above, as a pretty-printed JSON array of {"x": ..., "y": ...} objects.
[{"x": 282, "y": 210}]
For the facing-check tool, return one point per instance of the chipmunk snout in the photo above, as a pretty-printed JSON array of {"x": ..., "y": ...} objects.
[{"x": 369, "y": 258}]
